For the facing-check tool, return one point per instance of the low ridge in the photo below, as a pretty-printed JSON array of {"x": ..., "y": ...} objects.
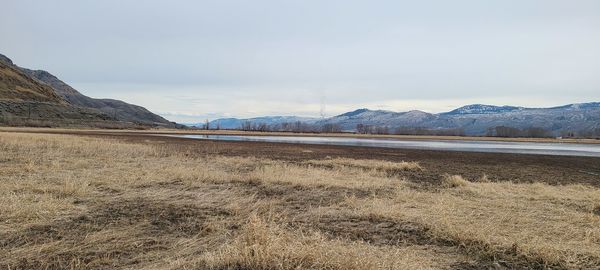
[{"x": 17, "y": 83}]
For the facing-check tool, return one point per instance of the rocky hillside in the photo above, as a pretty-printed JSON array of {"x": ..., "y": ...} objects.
[
  {"x": 18, "y": 86},
  {"x": 17, "y": 83},
  {"x": 26, "y": 101},
  {"x": 121, "y": 110}
]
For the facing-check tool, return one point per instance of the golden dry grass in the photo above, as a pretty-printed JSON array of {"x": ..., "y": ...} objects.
[
  {"x": 368, "y": 164},
  {"x": 77, "y": 202},
  {"x": 266, "y": 245},
  {"x": 452, "y": 181},
  {"x": 549, "y": 224}
]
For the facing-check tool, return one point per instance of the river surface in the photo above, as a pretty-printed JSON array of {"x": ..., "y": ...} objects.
[{"x": 561, "y": 149}]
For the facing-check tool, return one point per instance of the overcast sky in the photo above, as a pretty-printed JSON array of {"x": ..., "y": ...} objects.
[{"x": 190, "y": 60}]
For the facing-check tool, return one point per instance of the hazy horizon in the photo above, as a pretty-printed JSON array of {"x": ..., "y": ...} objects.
[{"x": 210, "y": 59}]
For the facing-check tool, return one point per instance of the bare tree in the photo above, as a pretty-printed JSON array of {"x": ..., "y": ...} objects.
[
  {"x": 503, "y": 131},
  {"x": 331, "y": 128},
  {"x": 360, "y": 129},
  {"x": 246, "y": 126},
  {"x": 261, "y": 127},
  {"x": 381, "y": 130},
  {"x": 536, "y": 132}
]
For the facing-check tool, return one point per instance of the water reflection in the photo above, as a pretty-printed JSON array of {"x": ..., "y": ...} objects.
[{"x": 566, "y": 149}]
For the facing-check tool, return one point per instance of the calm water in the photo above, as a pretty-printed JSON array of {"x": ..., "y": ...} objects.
[{"x": 565, "y": 149}]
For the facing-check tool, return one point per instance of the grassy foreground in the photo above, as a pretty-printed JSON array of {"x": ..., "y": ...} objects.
[{"x": 69, "y": 202}]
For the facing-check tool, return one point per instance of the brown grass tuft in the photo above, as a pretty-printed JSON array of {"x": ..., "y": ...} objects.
[
  {"x": 368, "y": 164},
  {"x": 484, "y": 179},
  {"x": 452, "y": 181}
]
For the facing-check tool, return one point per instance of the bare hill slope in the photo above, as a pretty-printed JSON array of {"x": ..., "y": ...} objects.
[{"x": 27, "y": 95}]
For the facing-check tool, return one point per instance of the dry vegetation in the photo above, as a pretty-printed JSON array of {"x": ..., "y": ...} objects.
[
  {"x": 69, "y": 202},
  {"x": 381, "y": 165}
]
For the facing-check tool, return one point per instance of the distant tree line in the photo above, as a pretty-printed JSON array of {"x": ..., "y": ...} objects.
[
  {"x": 372, "y": 129},
  {"x": 593, "y": 133},
  {"x": 249, "y": 126},
  {"x": 511, "y": 132},
  {"x": 297, "y": 126},
  {"x": 431, "y": 132},
  {"x": 497, "y": 131},
  {"x": 537, "y": 132}
]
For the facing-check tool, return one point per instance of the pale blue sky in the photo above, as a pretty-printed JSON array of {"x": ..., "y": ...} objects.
[{"x": 189, "y": 60}]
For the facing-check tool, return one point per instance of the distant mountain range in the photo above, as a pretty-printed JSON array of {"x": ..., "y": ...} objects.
[
  {"x": 235, "y": 123},
  {"x": 475, "y": 119},
  {"x": 29, "y": 97},
  {"x": 36, "y": 95}
]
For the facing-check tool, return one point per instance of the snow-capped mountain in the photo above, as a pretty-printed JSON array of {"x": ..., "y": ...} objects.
[
  {"x": 476, "y": 119},
  {"x": 349, "y": 121},
  {"x": 482, "y": 109},
  {"x": 236, "y": 123}
]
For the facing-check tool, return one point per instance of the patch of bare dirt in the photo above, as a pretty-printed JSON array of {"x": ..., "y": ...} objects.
[
  {"x": 144, "y": 225},
  {"x": 555, "y": 170}
]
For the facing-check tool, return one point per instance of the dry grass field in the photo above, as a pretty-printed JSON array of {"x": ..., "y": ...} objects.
[{"x": 73, "y": 202}]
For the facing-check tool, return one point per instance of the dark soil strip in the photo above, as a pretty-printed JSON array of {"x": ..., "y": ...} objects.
[
  {"x": 555, "y": 170},
  {"x": 383, "y": 231},
  {"x": 154, "y": 226}
]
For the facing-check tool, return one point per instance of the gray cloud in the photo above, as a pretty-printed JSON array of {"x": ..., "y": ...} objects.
[{"x": 282, "y": 57}]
